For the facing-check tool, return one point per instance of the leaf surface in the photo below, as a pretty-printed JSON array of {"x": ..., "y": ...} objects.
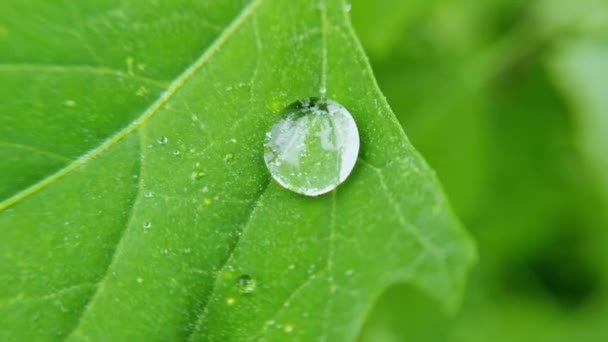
[{"x": 135, "y": 194}]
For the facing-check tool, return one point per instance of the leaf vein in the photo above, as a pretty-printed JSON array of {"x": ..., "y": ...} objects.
[{"x": 153, "y": 109}]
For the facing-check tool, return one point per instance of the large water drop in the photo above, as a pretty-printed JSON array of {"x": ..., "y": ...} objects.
[{"x": 313, "y": 147}]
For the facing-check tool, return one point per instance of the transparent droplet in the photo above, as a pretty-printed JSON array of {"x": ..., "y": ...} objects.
[
  {"x": 69, "y": 103},
  {"x": 313, "y": 147},
  {"x": 148, "y": 194},
  {"x": 246, "y": 284},
  {"x": 347, "y": 7},
  {"x": 147, "y": 224},
  {"x": 162, "y": 139}
]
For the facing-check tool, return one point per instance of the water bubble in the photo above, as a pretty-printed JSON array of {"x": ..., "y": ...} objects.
[
  {"x": 246, "y": 284},
  {"x": 162, "y": 140},
  {"x": 148, "y": 194},
  {"x": 313, "y": 147},
  {"x": 147, "y": 224},
  {"x": 176, "y": 153},
  {"x": 323, "y": 90}
]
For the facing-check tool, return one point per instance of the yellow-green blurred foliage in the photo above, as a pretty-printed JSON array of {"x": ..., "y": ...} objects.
[{"x": 508, "y": 101}]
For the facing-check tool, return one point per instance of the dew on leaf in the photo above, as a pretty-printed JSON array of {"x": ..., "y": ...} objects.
[
  {"x": 313, "y": 147},
  {"x": 288, "y": 328},
  {"x": 148, "y": 194},
  {"x": 162, "y": 140},
  {"x": 176, "y": 153},
  {"x": 230, "y": 301},
  {"x": 147, "y": 224},
  {"x": 246, "y": 283},
  {"x": 69, "y": 103}
]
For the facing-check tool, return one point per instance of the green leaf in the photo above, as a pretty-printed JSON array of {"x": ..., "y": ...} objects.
[{"x": 135, "y": 196}]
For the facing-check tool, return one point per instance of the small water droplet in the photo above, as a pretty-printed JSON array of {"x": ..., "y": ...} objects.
[
  {"x": 176, "y": 153},
  {"x": 291, "y": 267},
  {"x": 142, "y": 91},
  {"x": 207, "y": 201},
  {"x": 288, "y": 328},
  {"x": 69, "y": 103},
  {"x": 323, "y": 90},
  {"x": 230, "y": 301},
  {"x": 139, "y": 280},
  {"x": 162, "y": 140},
  {"x": 349, "y": 273},
  {"x": 347, "y": 7},
  {"x": 147, "y": 224},
  {"x": 228, "y": 157},
  {"x": 270, "y": 323},
  {"x": 313, "y": 147},
  {"x": 148, "y": 194},
  {"x": 246, "y": 283}
]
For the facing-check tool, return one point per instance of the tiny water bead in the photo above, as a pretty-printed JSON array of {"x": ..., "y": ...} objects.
[
  {"x": 246, "y": 284},
  {"x": 313, "y": 147}
]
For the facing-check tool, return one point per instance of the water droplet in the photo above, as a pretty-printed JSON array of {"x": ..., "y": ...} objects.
[
  {"x": 147, "y": 224},
  {"x": 349, "y": 273},
  {"x": 162, "y": 140},
  {"x": 139, "y": 280},
  {"x": 228, "y": 157},
  {"x": 176, "y": 153},
  {"x": 323, "y": 90},
  {"x": 347, "y": 7},
  {"x": 313, "y": 147},
  {"x": 288, "y": 328},
  {"x": 142, "y": 91},
  {"x": 246, "y": 284},
  {"x": 207, "y": 201},
  {"x": 69, "y": 103},
  {"x": 270, "y": 323},
  {"x": 230, "y": 301},
  {"x": 291, "y": 267},
  {"x": 148, "y": 194}
]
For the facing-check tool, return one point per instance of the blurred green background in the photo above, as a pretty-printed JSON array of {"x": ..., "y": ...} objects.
[{"x": 508, "y": 101}]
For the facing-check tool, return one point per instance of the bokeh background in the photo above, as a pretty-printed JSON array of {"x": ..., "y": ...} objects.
[{"x": 508, "y": 101}]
